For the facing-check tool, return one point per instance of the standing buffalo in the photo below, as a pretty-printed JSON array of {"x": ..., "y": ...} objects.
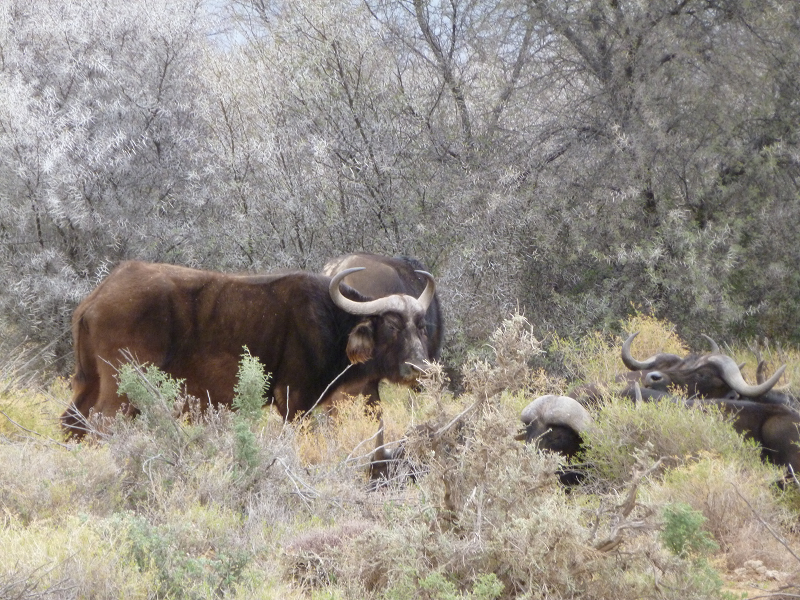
[
  {"x": 383, "y": 276},
  {"x": 314, "y": 336}
]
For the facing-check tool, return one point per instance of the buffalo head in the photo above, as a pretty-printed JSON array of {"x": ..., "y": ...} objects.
[
  {"x": 384, "y": 276},
  {"x": 711, "y": 375},
  {"x": 392, "y": 332},
  {"x": 555, "y": 423}
]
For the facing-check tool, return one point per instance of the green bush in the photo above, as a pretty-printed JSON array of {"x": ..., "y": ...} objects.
[
  {"x": 487, "y": 587},
  {"x": 683, "y": 531},
  {"x": 157, "y": 396},
  {"x": 248, "y": 401},
  {"x": 181, "y": 571},
  {"x": 436, "y": 586},
  {"x": 148, "y": 387},
  {"x": 665, "y": 429},
  {"x": 250, "y": 388}
]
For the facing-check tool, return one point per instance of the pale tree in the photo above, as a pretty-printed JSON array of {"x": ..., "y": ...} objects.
[
  {"x": 98, "y": 135},
  {"x": 341, "y": 165},
  {"x": 679, "y": 107},
  {"x": 577, "y": 160}
]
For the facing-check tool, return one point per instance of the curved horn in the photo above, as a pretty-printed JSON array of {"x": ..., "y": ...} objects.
[
  {"x": 429, "y": 292},
  {"x": 557, "y": 410},
  {"x": 379, "y": 305},
  {"x": 370, "y": 307},
  {"x": 632, "y": 363},
  {"x": 733, "y": 377},
  {"x": 714, "y": 346},
  {"x": 761, "y": 371}
]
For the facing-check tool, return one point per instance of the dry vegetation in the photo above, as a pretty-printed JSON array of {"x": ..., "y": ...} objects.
[{"x": 675, "y": 505}]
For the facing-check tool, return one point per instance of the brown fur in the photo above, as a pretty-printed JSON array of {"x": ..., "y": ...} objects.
[
  {"x": 360, "y": 343},
  {"x": 194, "y": 324}
]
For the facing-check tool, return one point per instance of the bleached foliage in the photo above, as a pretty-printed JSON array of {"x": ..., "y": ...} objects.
[{"x": 572, "y": 159}]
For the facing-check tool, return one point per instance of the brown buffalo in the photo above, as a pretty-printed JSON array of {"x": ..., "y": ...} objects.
[{"x": 312, "y": 335}]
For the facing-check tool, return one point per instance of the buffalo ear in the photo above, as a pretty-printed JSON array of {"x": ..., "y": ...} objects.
[{"x": 361, "y": 342}]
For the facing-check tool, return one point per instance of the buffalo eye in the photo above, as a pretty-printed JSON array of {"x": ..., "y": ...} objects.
[{"x": 394, "y": 323}]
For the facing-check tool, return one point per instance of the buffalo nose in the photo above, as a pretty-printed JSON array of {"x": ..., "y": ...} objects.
[{"x": 411, "y": 370}]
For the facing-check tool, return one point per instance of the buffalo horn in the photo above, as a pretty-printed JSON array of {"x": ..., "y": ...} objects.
[
  {"x": 557, "y": 410},
  {"x": 632, "y": 363},
  {"x": 733, "y": 377},
  {"x": 379, "y": 305},
  {"x": 429, "y": 292},
  {"x": 714, "y": 346},
  {"x": 647, "y": 364}
]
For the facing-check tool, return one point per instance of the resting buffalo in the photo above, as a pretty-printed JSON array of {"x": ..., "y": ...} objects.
[
  {"x": 592, "y": 393},
  {"x": 773, "y": 426},
  {"x": 384, "y": 276},
  {"x": 313, "y": 335},
  {"x": 757, "y": 411},
  {"x": 711, "y": 375},
  {"x": 555, "y": 423}
]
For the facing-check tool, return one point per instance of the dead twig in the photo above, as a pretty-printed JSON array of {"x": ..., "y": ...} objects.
[
  {"x": 460, "y": 416},
  {"x": 780, "y": 539},
  {"x": 614, "y": 538},
  {"x": 325, "y": 391}
]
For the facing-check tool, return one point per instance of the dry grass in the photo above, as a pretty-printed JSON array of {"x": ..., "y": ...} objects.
[
  {"x": 33, "y": 412},
  {"x": 595, "y": 358},
  {"x": 144, "y": 514},
  {"x": 75, "y": 558},
  {"x": 622, "y": 434},
  {"x": 738, "y": 503},
  {"x": 775, "y": 355}
]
